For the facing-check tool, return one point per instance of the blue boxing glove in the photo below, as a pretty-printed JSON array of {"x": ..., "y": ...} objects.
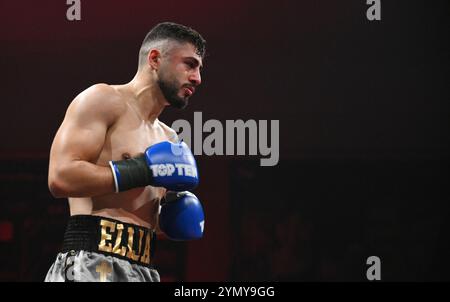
[
  {"x": 166, "y": 164},
  {"x": 181, "y": 216}
]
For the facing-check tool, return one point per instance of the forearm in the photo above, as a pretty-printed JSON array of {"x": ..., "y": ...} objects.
[{"x": 80, "y": 179}]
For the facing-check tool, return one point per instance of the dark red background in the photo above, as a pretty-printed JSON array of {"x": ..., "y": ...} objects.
[{"x": 345, "y": 90}]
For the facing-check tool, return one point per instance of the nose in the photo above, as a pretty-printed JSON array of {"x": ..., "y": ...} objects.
[{"x": 195, "y": 78}]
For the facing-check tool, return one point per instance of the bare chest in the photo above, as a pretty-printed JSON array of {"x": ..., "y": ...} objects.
[{"x": 129, "y": 137}]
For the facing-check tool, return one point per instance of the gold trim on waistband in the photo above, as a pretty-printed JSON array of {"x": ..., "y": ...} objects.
[{"x": 132, "y": 248}]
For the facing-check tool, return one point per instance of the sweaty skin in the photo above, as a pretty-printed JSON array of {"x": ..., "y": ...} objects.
[{"x": 114, "y": 122}]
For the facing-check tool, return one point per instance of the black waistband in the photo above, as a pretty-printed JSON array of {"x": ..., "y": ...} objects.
[{"x": 110, "y": 237}]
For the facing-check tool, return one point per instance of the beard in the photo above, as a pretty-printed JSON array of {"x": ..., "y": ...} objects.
[{"x": 170, "y": 88}]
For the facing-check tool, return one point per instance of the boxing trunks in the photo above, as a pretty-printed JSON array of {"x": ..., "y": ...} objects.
[{"x": 102, "y": 249}]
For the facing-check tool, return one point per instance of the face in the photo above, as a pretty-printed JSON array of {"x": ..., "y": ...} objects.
[{"x": 179, "y": 74}]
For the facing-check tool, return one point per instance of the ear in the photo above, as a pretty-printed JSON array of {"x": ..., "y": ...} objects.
[{"x": 154, "y": 57}]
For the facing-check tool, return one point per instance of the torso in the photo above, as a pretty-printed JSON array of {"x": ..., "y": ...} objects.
[{"x": 128, "y": 137}]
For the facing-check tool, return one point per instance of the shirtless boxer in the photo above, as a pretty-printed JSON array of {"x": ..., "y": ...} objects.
[{"x": 116, "y": 163}]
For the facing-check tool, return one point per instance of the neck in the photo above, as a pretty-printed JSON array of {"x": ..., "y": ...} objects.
[{"x": 147, "y": 99}]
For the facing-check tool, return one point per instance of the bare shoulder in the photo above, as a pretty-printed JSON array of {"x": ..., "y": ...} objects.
[
  {"x": 101, "y": 94},
  {"x": 169, "y": 132},
  {"x": 101, "y": 100}
]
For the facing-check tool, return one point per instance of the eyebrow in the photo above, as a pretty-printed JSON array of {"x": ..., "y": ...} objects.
[{"x": 197, "y": 62}]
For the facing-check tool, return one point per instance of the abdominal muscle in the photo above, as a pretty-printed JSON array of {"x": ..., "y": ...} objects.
[{"x": 138, "y": 206}]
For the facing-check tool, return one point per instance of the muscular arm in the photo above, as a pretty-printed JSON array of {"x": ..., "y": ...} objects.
[{"x": 78, "y": 144}]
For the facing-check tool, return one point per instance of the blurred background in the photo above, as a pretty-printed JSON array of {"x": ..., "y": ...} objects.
[{"x": 364, "y": 133}]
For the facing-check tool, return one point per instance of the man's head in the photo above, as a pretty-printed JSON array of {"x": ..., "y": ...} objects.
[{"x": 175, "y": 54}]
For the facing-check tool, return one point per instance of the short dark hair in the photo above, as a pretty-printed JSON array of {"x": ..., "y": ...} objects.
[{"x": 176, "y": 32}]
